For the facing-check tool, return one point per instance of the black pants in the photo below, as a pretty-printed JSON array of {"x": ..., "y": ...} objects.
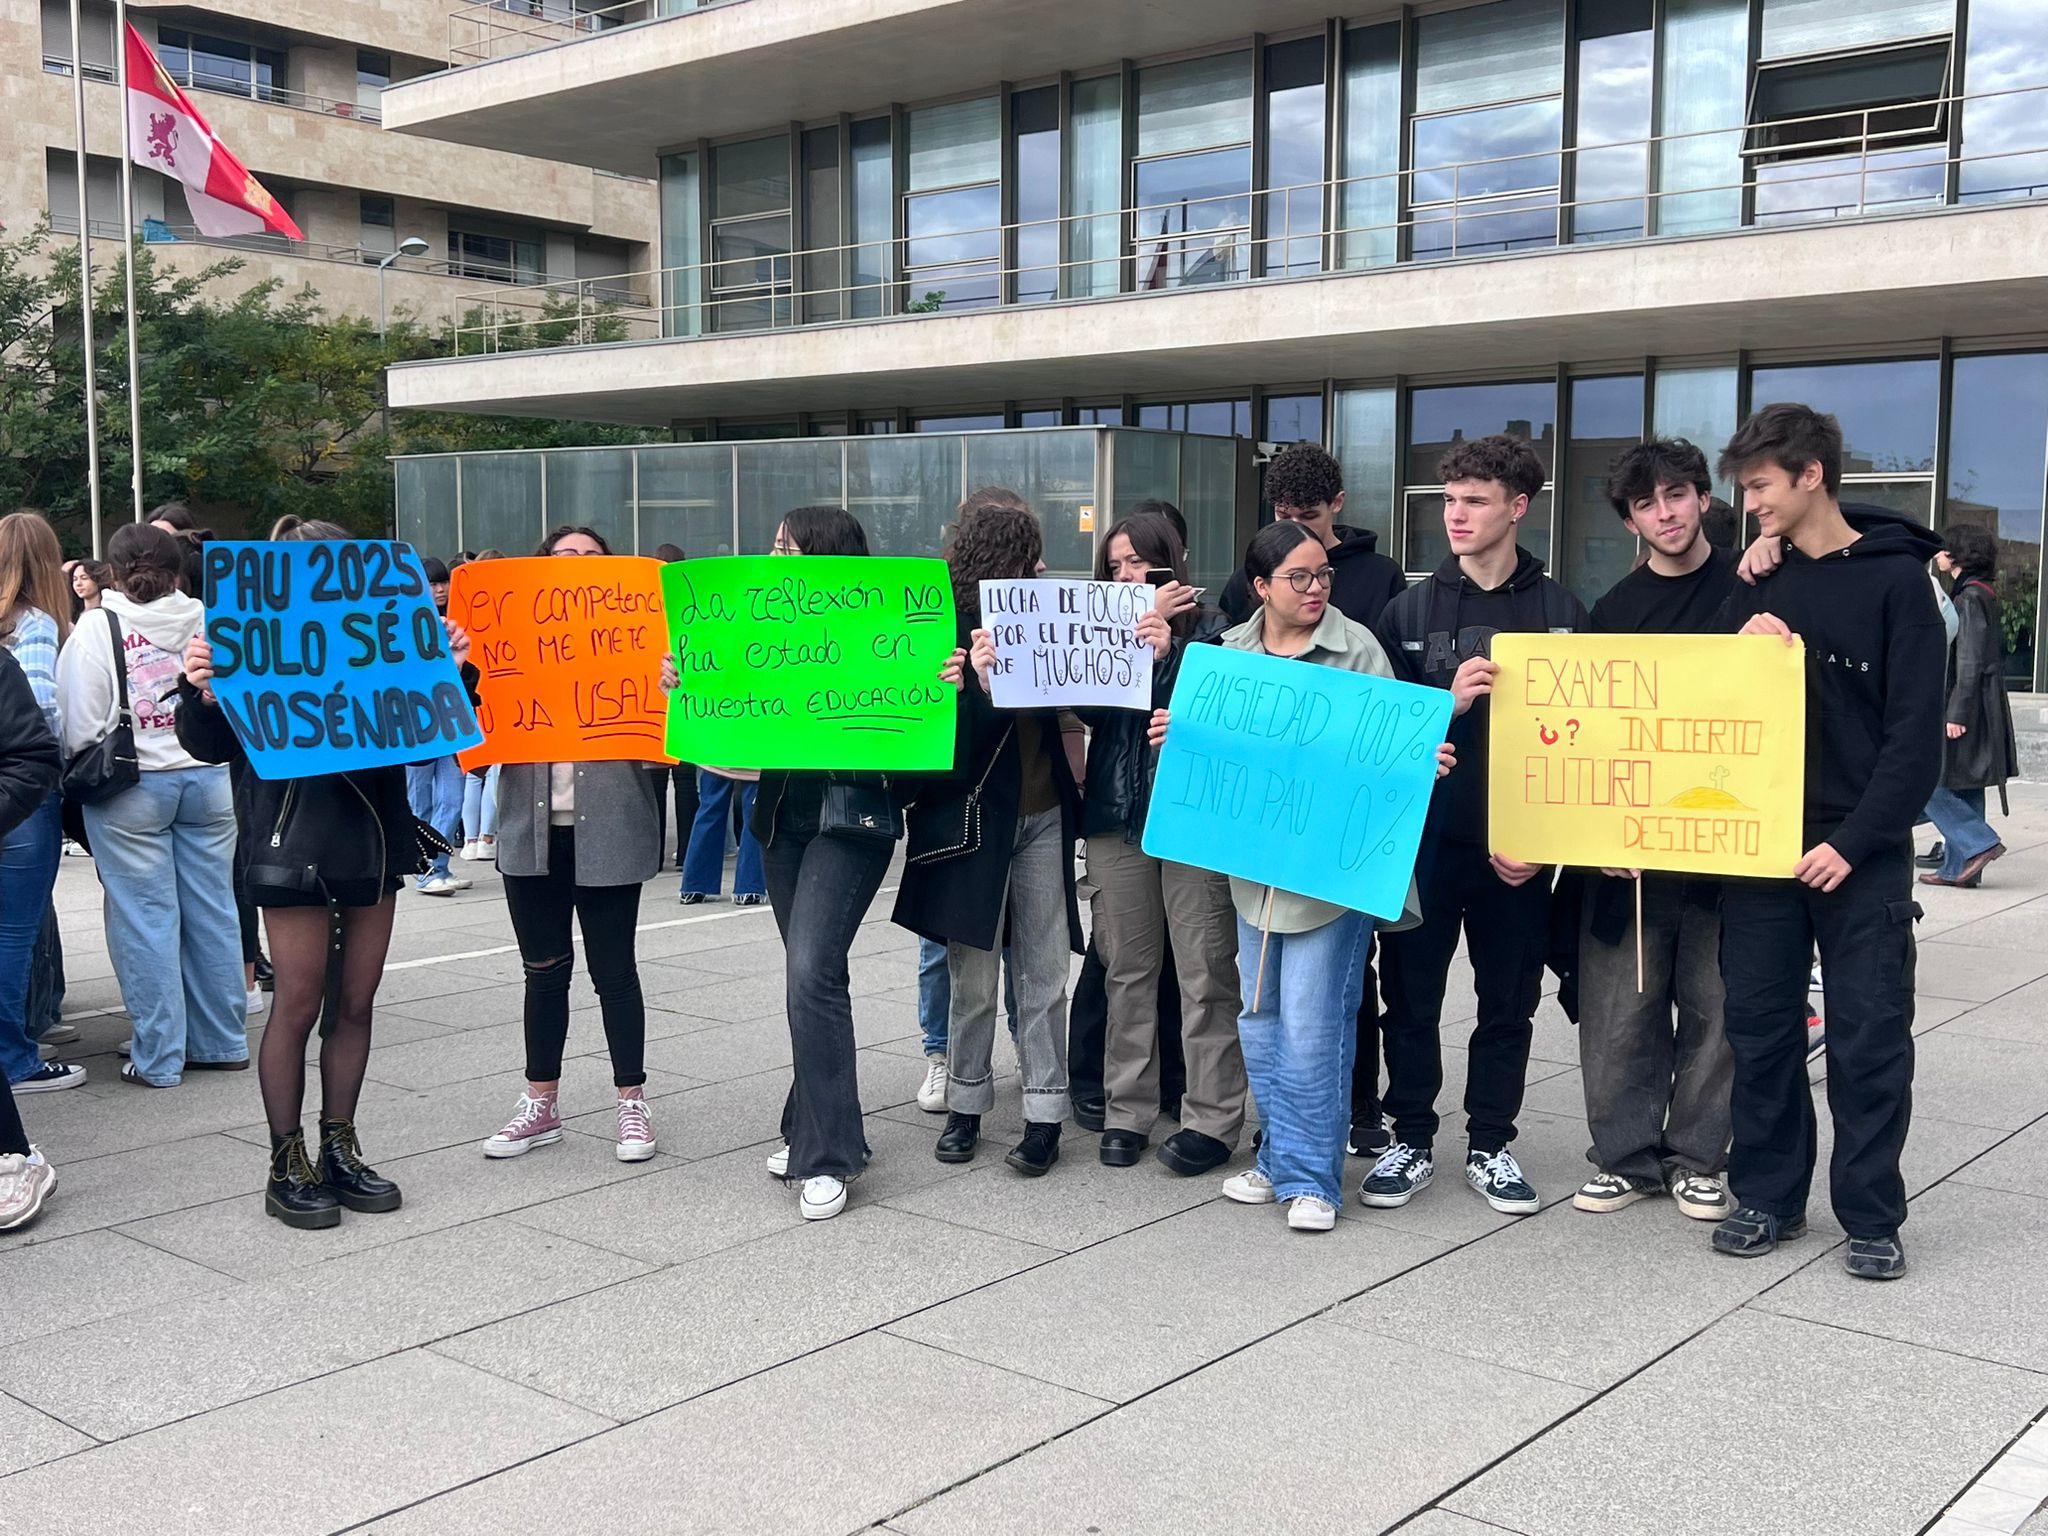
[
  {"x": 1365, "y": 1067},
  {"x": 541, "y": 906},
  {"x": 13, "y": 1138},
  {"x": 1865, "y": 932},
  {"x": 684, "y": 776},
  {"x": 1507, "y": 929},
  {"x": 1088, "y": 1024}
]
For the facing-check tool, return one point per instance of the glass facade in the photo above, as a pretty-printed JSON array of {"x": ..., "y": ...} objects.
[
  {"x": 1595, "y": 550},
  {"x": 1438, "y": 418},
  {"x": 1889, "y": 413},
  {"x": 1997, "y": 465}
]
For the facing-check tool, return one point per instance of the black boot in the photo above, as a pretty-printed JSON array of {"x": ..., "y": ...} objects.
[
  {"x": 1039, "y": 1149},
  {"x": 351, "y": 1180},
  {"x": 295, "y": 1195},
  {"x": 957, "y": 1140}
]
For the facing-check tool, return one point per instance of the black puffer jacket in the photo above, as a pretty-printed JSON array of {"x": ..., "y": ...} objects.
[
  {"x": 1120, "y": 756},
  {"x": 298, "y": 834},
  {"x": 29, "y": 763}
]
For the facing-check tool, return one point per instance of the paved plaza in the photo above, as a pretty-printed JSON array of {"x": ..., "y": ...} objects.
[{"x": 567, "y": 1343}]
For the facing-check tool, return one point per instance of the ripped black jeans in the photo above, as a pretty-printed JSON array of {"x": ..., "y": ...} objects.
[{"x": 541, "y": 906}]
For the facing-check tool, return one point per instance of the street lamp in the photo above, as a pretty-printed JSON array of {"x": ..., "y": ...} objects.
[{"x": 411, "y": 245}]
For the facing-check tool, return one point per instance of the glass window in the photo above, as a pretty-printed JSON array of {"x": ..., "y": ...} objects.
[
  {"x": 750, "y": 235},
  {"x": 682, "y": 246},
  {"x": 1293, "y": 419},
  {"x": 1611, "y": 170},
  {"x": 984, "y": 421},
  {"x": 1841, "y": 136},
  {"x": 952, "y": 250},
  {"x": 872, "y": 171},
  {"x": 750, "y": 178},
  {"x": 773, "y": 477},
  {"x": 425, "y": 493},
  {"x": 904, "y": 490},
  {"x": 1487, "y": 180},
  {"x": 496, "y": 258},
  {"x": 1035, "y": 128},
  {"x": 221, "y": 64},
  {"x": 819, "y": 267},
  {"x": 1046, "y": 416},
  {"x": 501, "y": 502},
  {"x": 1215, "y": 418},
  {"x": 1794, "y": 27},
  {"x": 1372, "y": 145},
  {"x": 1607, "y": 417},
  {"x": 1197, "y": 104},
  {"x": 686, "y": 498},
  {"x": 1147, "y": 468},
  {"x": 1055, "y": 474},
  {"x": 1887, "y": 410},
  {"x": 593, "y": 487},
  {"x": 1099, "y": 415},
  {"x": 1362, "y": 442},
  {"x": 1501, "y": 52},
  {"x": 1997, "y": 466},
  {"x": 379, "y": 218},
  {"x": 1443, "y": 415},
  {"x": 1293, "y": 209},
  {"x": 954, "y": 144},
  {"x": 1094, "y": 187},
  {"x": 1193, "y": 218},
  {"x": 2005, "y": 74},
  {"x": 1705, "y": 45},
  {"x": 1697, "y": 404},
  {"x": 1208, "y": 504}
]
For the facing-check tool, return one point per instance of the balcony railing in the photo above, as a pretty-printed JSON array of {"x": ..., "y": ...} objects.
[
  {"x": 159, "y": 232},
  {"x": 1307, "y": 230},
  {"x": 502, "y": 29},
  {"x": 227, "y": 85}
]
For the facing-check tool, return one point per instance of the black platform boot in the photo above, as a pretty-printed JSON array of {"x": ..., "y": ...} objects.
[
  {"x": 295, "y": 1195},
  {"x": 351, "y": 1180}
]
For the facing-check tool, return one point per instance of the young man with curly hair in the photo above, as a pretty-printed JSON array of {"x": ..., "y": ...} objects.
[{"x": 1439, "y": 633}]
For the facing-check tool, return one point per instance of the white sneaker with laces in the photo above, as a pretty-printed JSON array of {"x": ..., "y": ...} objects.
[
  {"x": 778, "y": 1162},
  {"x": 1249, "y": 1188},
  {"x": 469, "y": 851},
  {"x": 1610, "y": 1192},
  {"x": 1307, "y": 1213},
  {"x": 931, "y": 1098},
  {"x": 440, "y": 885},
  {"x": 636, "y": 1131},
  {"x": 1702, "y": 1196},
  {"x": 822, "y": 1198},
  {"x": 25, "y": 1183},
  {"x": 255, "y": 1002}
]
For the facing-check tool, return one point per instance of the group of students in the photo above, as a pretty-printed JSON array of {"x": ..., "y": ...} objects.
[{"x": 1200, "y": 993}]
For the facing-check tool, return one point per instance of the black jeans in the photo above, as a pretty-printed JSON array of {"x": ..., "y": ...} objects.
[
  {"x": 1365, "y": 1067},
  {"x": 1088, "y": 1024},
  {"x": 684, "y": 777},
  {"x": 1507, "y": 929},
  {"x": 1865, "y": 932},
  {"x": 541, "y": 906},
  {"x": 13, "y": 1138},
  {"x": 820, "y": 887}
]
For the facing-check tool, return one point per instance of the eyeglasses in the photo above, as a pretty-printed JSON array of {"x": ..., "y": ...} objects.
[{"x": 1301, "y": 581}]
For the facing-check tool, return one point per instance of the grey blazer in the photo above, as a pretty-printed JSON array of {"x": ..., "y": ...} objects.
[{"x": 618, "y": 821}]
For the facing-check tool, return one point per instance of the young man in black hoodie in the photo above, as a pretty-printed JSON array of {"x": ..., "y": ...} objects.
[
  {"x": 1306, "y": 486},
  {"x": 1657, "y": 1094},
  {"x": 1439, "y": 633},
  {"x": 1875, "y": 656}
]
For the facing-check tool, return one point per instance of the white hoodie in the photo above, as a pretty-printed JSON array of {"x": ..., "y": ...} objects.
[{"x": 154, "y": 636}]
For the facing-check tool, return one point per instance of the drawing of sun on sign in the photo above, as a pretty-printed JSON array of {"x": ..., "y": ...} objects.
[{"x": 1712, "y": 796}]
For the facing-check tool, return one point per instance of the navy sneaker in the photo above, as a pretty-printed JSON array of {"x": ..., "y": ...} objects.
[
  {"x": 1498, "y": 1178},
  {"x": 1875, "y": 1258},
  {"x": 1400, "y": 1174},
  {"x": 1750, "y": 1233}
]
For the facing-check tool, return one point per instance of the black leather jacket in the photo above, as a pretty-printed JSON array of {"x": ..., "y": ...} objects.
[{"x": 1120, "y": 755}]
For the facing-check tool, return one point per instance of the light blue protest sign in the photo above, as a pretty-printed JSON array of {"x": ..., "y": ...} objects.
[
  {"x": 1297, "y": 776},
  {"x": 328, "y": 656}
]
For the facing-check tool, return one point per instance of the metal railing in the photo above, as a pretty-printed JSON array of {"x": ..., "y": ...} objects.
[
  {"x": 159, "y": 232},
  {"x": 503, "y": 29},
  {"x": 224, "y": 85},
  {"x": 1359, "y": 223}
]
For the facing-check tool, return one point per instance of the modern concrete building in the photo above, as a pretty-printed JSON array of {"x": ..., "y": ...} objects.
[
  {"x": 1579, "y": 220},
  {"x": 294, "y": 88}
]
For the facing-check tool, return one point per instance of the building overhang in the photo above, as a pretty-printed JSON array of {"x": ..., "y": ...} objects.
[{"x": 1964, "y": 273}]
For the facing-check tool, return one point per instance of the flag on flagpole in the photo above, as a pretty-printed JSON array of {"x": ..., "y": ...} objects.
[{"x": 167, "y": 134}]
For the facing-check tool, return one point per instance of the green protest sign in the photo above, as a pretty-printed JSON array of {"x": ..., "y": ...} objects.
[{"x": 816, "y": 661}]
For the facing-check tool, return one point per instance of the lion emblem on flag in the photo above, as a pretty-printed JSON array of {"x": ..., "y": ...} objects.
[{"x": 163, "y": 138}]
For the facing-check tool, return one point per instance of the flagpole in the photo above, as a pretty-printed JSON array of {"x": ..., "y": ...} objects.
[
  {"x": 128, "y": 266},
  {"x": 92, "y": 418}
]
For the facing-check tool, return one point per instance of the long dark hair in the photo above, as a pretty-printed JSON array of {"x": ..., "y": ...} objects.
[
  {"x": 547, "y": 545},
  {"x": 1155, "y": 541},
  {"x": 1974, "y": 551},
  {"x": 148, "y": 563},
  {"x": 825, "y": 531},
  {"x": 995, "y": 538},
  {"x": 1270, "y": 547}
]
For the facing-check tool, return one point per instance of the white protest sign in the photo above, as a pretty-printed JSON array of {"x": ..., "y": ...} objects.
[{"x": 1068, "y": 643}]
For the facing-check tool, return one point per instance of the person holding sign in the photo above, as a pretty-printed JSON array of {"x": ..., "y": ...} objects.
[
  {"x": 1142, "y": 903},
  {"x": 991, "y": 844},
  {"x": 575, "y": 842},
  {"x": 326, "y": 853},
  {"x": 1300, "y": 962},
  {"x": 1875, "y": 656},
  {"x": 1438, "y": 634},
  {"x": 1657, "y": 1097}
]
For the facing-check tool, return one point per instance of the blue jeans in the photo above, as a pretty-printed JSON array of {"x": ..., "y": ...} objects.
[
  {"x": 704, "y": 862},
  {"x": 1959, "y": 813},
  {"x": 435, "y": 792},
  {"x": 1299, "y": 1044},
  {"x": 935, "y": 995},
  {"x": 46, "y": 978},
  {"x": 28, "y": 872},
  {"x": 480, "y": 804},
  {"x": 165, "y": 852}
]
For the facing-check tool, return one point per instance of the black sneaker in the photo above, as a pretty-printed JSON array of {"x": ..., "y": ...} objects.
[
  {"x": 52, "y": 1077},
  {"x": 1932, "y": 858},
  {"x": 1875, "y": 1258},
  {"x": 1498, "y": 1178},
  {"x": 1039, "y": 1149},
  {"x": 1089, "y": 1113},
  {"x": 1189, "y": 1153},
  {"x": 1750, "y": 1233},
  {"x": 1401, "y": 1172},
  {"x": 1122, "y": 1149},
  {"x": 266, "y": 978},
  {"x": 1368, "y": 1140},
  {"x": 957, "y": 1141}
]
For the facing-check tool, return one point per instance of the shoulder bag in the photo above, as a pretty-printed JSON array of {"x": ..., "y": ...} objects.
[
  {"x": 108, "y": 766},
  {"x": 957, "y": 833}
]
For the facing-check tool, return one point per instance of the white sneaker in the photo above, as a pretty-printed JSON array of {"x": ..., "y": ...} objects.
[
  {"x": 44, "y": 1052},
  {"x": 778, "y": 1162},
  {"x": 1702, "y": 1196},
  {"x": 1606, "y": 1192},
  {"x": 255, "y": 1003},
  {"x": 931, "y": 1098},
  {"x": 1307, "y": 1213},
  {"x": 636, "y": 1131},
  {"x": 468, "y": 851},
  {"x": 487, "y": 849},
  {"x": 823, "y": 1198},
  {"x": 1249, "y": 1188},
  {"x": 60, "y": 1034},
  {"x": 25, "y": 1183},
  {"x": 440, "y": 885}
]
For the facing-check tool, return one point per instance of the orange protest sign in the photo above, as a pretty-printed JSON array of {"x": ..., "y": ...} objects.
[{"x": 568, "y": 658}]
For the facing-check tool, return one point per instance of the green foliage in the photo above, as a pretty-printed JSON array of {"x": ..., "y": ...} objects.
[
  {"x": 254, "y": 403},
  {"x": 933, "y": 301}
]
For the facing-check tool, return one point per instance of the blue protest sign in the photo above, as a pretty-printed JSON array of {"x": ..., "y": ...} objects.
[
  {"x": 329, "y": 656},
  {"x": 1297, "y": 776}
]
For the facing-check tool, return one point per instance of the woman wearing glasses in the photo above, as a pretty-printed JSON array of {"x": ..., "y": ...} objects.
[{"x": 1298, "y": 1025}]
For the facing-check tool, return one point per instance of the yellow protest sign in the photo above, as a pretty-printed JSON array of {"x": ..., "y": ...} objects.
[{"x": 1674, "y": 752}]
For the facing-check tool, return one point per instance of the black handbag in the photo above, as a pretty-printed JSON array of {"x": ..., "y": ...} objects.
[
  {"x": 934, "y": 838},
  {"x": 864, "y": 812},
  {"x": 108, "y": 766}
]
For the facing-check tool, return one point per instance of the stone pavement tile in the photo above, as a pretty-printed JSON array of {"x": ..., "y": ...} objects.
[
  {"x": 732, "y": 999},
  {"x": 677, "y": 976},
  {"x": 2020, "y": 1015},
  {"x": 457, "y": 1057},
  {"x": 407, "y": 988},
  {"x": 479, "y": 1008},
  {"x": 79, "y": 1279},
  {"x": 855, "y": 1425},
  {"x": 1978, "y": 1288},
  {"x": 759, "y": 955},
  {"x": 684, "y": 1212},
  {"x": 705, "y": 1122},
  {"x": 2020, "y": 927},
  {"x": 1885, "y": 1435},
  {"x": 1935, "y": 1149},
  {"x": 108, "y": 1117},
  {"x": 1117, "y": 1319},
  {"x": 399, "y": 1122},
  {"x": 739, "y": 1311},
  {"x": 1192, "y": 1457},
  {"x": 1442, "y": 1522},
  {"x": 144, "y": 1181},
  {"x": 185, "y": 1355},
  {"x": 1975, "y": 975},
  {"x": 1946, "y": 911},
  {"x": 725, "y": 1051},
  {"x": 1994, "y": 1509},
  {"x": 28, "y": 1437},
  {"x": 443, "y": 1190},
  {"x": 879, "y": 936},
  {"x": 1934, "y": 1012},
  {"x": 1978, "y": 1081},
  {"x": 317, "y": 1457},
  {"x": 2018, "y": 1163},
  {"x": 662, "y": 1023}
]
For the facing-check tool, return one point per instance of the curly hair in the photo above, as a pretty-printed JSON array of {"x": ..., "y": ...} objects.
[
  {"x": 995, "y": 537},
  {"x": 1507, "y": 460},
  {"x": 1639, "y": 472},
  {"x": 1303, "y": 477}
]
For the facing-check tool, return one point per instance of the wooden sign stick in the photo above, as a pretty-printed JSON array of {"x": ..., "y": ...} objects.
[
  {"x": 1638, "y": 884},
  {"x": 1265, "y": 937}
]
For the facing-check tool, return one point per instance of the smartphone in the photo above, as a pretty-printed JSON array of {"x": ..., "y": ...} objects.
[{"x": 1158, "y": 576}]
